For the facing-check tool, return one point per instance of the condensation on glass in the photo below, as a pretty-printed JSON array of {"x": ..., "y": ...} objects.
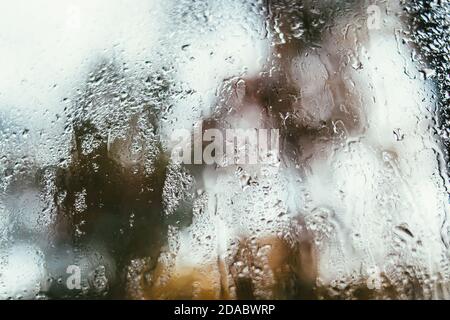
[{"x": 356, "y": 204}]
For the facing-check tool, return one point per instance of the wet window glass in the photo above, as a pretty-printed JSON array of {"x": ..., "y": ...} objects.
[{"x": 263, "y": 149}]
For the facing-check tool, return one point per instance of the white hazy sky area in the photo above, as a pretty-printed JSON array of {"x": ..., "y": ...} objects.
[{"x": 48, "y": 47}]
